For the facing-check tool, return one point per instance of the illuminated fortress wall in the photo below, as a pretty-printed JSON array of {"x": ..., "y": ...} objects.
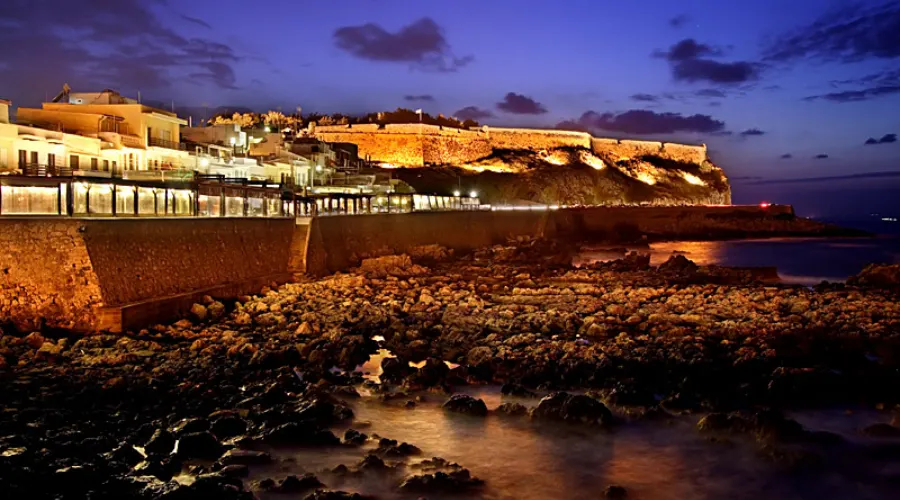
[{"x": 416, "y": 145}]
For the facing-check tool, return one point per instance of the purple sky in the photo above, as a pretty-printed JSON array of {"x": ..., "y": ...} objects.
[{"x": 757, "y": 81}]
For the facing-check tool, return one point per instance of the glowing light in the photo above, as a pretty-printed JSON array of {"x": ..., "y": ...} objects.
[
  {"x": 456, "y": 193},
  {"x": 267, "y": 129},
  {"x": 764, "y": 205},
  {"x": 233, "y": 141},
  {"x": 646, "y": 178},
  {"x": 204, "y": 162},
  {"x": 387, "y": 165},
  {"x": 473, "y": 194},
  {"x": 591, "y": 160},
  {"x": 693, "y": 179},
  {"x": 318, "y": 168}
]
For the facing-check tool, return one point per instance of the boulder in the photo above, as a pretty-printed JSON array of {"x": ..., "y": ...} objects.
[
  {"x": 512, "y": 409},
  {"x": 198, "y": 312},
  {"x": 201, "y": 445},
  {"x": 441, "y": 482},
  {"x": 461, "y": 403},
  {"x": 572, "y": 408},
  {"x": 877, "y": 275},
  {"x": 293, "y": 433},
  {"x": 161, "y": 443},
  {"x": 245, "y": 457}
]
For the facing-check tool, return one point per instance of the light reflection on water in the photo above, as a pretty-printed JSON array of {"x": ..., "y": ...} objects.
[
  {"x": 799, "y": 260},
  {"x": 520, "y": 459}
]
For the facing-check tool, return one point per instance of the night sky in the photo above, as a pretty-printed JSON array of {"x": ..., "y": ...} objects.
[{"x": 800, "y": 89}]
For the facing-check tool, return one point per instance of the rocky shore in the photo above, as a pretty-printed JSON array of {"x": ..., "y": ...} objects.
[{"x": 186, "y": 410}]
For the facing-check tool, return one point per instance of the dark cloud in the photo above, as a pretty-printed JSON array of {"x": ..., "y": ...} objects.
[
  {"x": 473, "y": 113},
  {"x": 820, "y": 157},
  {"x": 420, "y": 44},
  {"x": 752, "y": 132},
  {"x": 867, "y": 175},
  {"x": 787, "y": 156},
  {"x": 419, "y": 98},
  {"x": 856, "y": 95},
  {"x": 679, "y": 20},
  {"x": 851, "y": 33},
  {"x": 691, "y": 62},
  {"x": 198, "y": 22},
  {"x": 520, "y": 105},
  {"x": 645, "y": 98},
  {"x": 130, "y": 48},
  {"x": 714, "y": 93},
  {"x": 715, "y": 104},
  {"x": 885, "y": 139},
  {"x": 645, "y": 122}
]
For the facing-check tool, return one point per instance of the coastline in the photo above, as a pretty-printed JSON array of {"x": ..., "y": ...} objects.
[{"x": 272, "y": 369}]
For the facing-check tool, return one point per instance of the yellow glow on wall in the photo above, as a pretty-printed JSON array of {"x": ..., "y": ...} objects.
[
  {"x": 693, "y": 179},
  {"x": 646, "y": 178},
  {"x": 589, "y": 159}
]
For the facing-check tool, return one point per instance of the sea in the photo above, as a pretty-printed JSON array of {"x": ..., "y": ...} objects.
[{"x": 805, "y": 261}]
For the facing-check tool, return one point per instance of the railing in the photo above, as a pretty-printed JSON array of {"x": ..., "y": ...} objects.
[
  {"x": 42, "y": 170},
  {"x": 163, "y": 143},
  {"x": 131, "y": 141}
]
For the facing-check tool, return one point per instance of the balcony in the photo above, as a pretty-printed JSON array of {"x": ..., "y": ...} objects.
[
  {"x": 42, "y": 170},
  {"x": 162, "y": 143}
]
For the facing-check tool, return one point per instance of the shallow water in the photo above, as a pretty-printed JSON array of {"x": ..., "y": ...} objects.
[
  {"x": 520, "y": 459},
  {"x": 806, "y": 261}
]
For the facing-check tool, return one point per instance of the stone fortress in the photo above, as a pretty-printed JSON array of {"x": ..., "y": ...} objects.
[{"x": 417, "y": 145}]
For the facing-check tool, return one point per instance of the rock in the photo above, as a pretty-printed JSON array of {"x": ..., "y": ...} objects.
[
  {"x": 613, "y": 491},
  {"x": 678, "y": 265},
  {"x": 390, "y": 448},
  {"x": 216, "y": 310},
  {"x": 34, "y": 340},
  {"x": 292, "y": 484},
  {"x": 512, "y": 409},
  {"x": 198, "y": 312},
  {"x": 189, "y": 425},
  {"x": 441, "y": 482},
  {"x": 877, "y": 275},
  {"x": 882, "y": 430},
  {"x": 478, "y": 356},
  {"x": 335, "y": 495},
  {"x": 293, "y": 433},
  {"x": 201, "y": 445},
  {"x": 354, "y": 437},
  {"x": 161, "y": 443},
  {"x": 245, "y": 457},
  {"x": 228, "y": 426},
  {"x": 324, "y": 411},
  {"x": 572, "y": 408},
  {"x": 461, "y": 403},
  {"x": 236, "y": 470},
  {"x": 372, "y": 462}
]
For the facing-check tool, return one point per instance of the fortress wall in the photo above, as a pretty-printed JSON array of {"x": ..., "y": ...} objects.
[
  {"x": 535, "y": 139},
  {"x": 397, "y": 148},
  {"x": 452, "y": 149},
  {"x": 685, "y": 153}
]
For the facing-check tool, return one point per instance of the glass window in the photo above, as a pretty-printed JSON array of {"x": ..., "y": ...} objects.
[
  {"x": 94, "y": 164},
  {"x": 234, "y": 206},
  {"x": 24, "y": 200},
  {"x": 73, "y": 162},
  {"x": 106, "y": 165},
  {"x": 101, "y": 199},
  {"x": 255, "y": 207},
  {"x": 209, "y": 205},
  {"x": 124, "y": 200},
  {"x": 146, "y": 201}
]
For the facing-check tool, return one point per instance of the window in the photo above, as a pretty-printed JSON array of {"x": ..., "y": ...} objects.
[
  {"x": 130, "y": 161},
  {"x": 51, "y": 160},
  {"x": 115, "y": 165},
  {"x": 23, "y": 158},
  {"x": 94, "y": 164},
  {"x": 34, "y": 157},
  {"x": 73, "y": 162},
  {"x": 106, "y": 165}
]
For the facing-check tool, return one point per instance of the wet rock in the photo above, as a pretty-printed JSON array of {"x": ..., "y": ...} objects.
[
  {"x": 199, "y": 445},
  {"x": 245, "y": 457},
  {"x": 161, "y": 443},
  {"x": 614, "y": 491},
  {"x": 216, "y": 310},
  {"x": 229, "y": 426},
  {"x": 234, "y": 471},
  {"x": 882, "y": 431},
  {"x": 441, "y": 482},
  {"x": 211, "y": 486},
  {"x": 390, "y": 448},
  {"x": 678, "y": 265},
  {"x": 512, "y": 409},
  {"x": 372, "y": 462},
  {"x": 461, "y": 403},
  {"x": 432, "y": 373},
  {"x": 572, "y": 408},
  {"x": 877, "y": 275},
  {"x": 189, "y": 425},
  {"x": 354, "y": 437},
  {"x": 34, "y": 340},
  {"x": 335, "y": 495},
  {"x": 293, "y": 433},
  {"x": 292, "y": 484},
  {"x": 323, "y": 411}
]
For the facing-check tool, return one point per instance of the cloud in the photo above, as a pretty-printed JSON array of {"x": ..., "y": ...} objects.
[
  {"x": 679, "y": 20},
  {"x": 103, "y": 44},
  {"x": 645, "y": 122},
  {"x": 852, "y": 33},
  {"x": 856, "y": 95},
  {"x": 885, "y": 139},
  {"x": 519, "y": 104},
  {"x": 198, "y": 22},
  {"x": 644, "y": 98},
  {"x": 473, "y": 113},
  {"x": 691, "y": 62},
  {"x": 419, "y": 98},
  {"x": 787, "y": 156},
  {"x": 713, "y": 93},
  {"x": 752, "y": 132},
  {"x": 421, "y": 44},
  {"x": 866, "y": 175},
  {"x": 820, "y": 157}
]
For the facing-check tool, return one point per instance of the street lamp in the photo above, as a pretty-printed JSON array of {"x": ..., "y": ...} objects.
[
  {"x": 456, "y": 192},
  {"x": 473, "y": 194}
]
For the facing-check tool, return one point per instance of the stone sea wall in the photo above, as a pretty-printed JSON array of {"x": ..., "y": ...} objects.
[{"x": 417, "y": 145}]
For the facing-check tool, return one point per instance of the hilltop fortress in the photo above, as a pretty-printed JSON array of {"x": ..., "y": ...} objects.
[{"x": 417, "y": 145}]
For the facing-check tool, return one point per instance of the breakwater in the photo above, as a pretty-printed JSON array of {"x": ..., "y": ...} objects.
[{"x": 105, "y": 274}]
